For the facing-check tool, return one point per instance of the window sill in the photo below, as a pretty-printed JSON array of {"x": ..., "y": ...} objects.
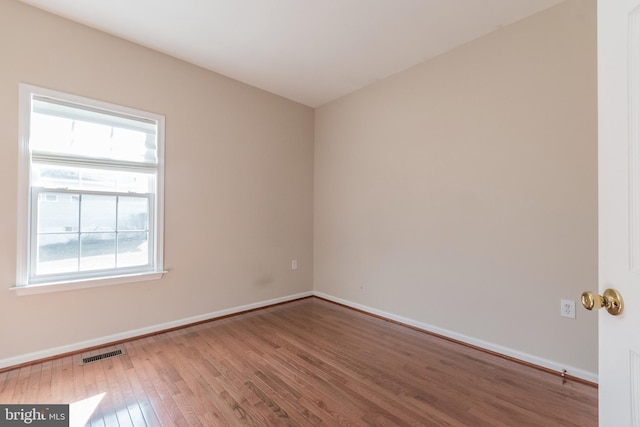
[{"x": 42, "y": 288}]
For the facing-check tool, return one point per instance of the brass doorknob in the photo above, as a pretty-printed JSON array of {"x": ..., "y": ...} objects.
[{"x": 610, "y": 299}]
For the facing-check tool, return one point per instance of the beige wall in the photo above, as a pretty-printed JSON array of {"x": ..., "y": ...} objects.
[
  {"x": 462, "y": 193},
  {"x": 239, "y": 184}
]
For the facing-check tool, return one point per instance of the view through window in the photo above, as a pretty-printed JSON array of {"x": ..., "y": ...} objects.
[{"x": 94, "y": 173}]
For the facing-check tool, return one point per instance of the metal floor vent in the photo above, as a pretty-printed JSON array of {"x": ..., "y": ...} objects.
[{"x": 90, "y": 359}]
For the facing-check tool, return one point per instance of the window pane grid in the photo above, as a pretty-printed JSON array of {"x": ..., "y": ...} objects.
[{"x": 100, "y": 240}]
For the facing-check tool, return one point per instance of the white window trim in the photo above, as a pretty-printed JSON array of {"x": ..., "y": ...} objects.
[
  {"x": 42, "y": 288},
  {"x": 22, "y": 286}
]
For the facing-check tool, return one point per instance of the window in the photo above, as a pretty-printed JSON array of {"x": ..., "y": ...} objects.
[{"x": 90, "y": 208}]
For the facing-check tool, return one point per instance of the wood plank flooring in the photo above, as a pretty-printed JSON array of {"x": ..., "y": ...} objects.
[{"x": 305, "y": 363}]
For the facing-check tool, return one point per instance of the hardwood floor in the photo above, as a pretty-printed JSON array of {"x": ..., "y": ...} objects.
[{"x": 308, "y": 362}]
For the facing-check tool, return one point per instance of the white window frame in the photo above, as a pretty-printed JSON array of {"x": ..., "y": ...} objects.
[{"x": 26, "y": 205}]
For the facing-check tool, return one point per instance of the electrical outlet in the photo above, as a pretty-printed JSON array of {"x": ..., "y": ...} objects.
[
  {"x": 568, "y": 308},
  {"x": 294, "y": 264}
]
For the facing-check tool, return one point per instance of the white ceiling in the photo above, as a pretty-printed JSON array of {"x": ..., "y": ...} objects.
[{"x": 310, "y": 51}]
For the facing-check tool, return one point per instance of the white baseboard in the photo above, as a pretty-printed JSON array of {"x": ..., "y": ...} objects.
[
  {"x": 515, "y": 354},
  {"x": 56, "y": 351},
  {"x": 52, "y": 352}
]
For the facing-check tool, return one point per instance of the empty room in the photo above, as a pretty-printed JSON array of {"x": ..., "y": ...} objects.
[{"x": 361, "y": 212}]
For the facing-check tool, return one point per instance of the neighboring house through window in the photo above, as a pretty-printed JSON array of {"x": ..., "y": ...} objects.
[{"x": 91, "y": 192}]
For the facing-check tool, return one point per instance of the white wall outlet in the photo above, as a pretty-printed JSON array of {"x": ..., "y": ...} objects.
[
  {"x": 294, "y": 264},
  {"x": 568, "y": 308}
]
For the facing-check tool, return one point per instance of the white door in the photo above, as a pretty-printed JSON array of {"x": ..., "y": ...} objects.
[{"x": 619, "y": 209}]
